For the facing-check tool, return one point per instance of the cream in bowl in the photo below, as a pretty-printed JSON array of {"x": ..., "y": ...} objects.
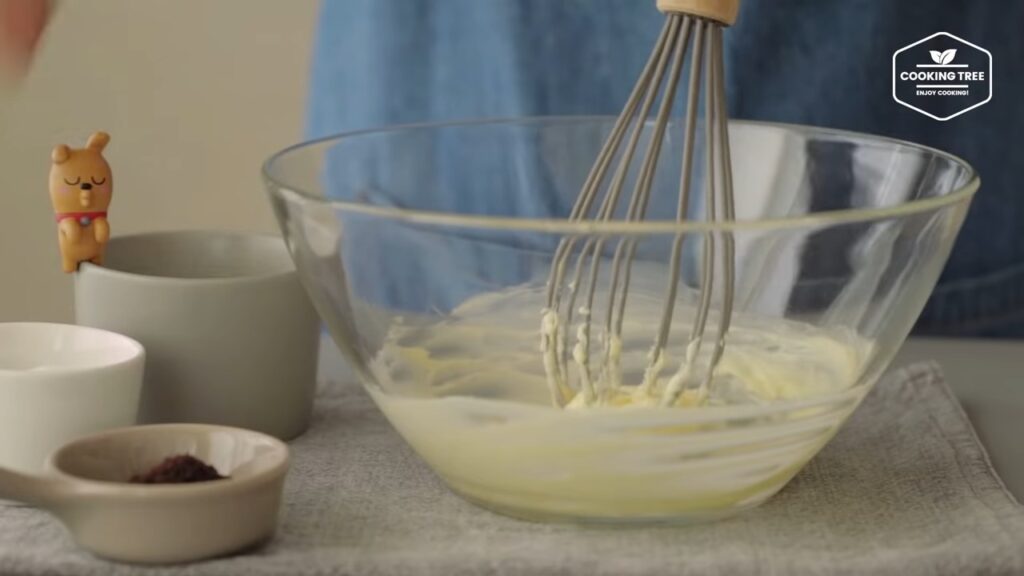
[{"x": 551, "y": 364}]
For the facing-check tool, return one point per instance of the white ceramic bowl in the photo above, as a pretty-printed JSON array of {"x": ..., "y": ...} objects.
[{"x": 59, "y": 382}]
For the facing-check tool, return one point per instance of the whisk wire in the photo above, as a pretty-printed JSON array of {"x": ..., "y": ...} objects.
[
  {"x": 659, "y": 78},
  {"x": 656, "y": 356},
  {"x": 589, "y": 191},
  {"x": 683, "y": 374},
  {"x": 593, "y": 248},
  {"x": 681, "y": 26},
  {"x": 728, "y": 207},
  {"x": 645, "y": 180},
  {"x": 552, "y": 334}
]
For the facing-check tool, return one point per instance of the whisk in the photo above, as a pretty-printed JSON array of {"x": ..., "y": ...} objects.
[{"x": 692, "y": 34}]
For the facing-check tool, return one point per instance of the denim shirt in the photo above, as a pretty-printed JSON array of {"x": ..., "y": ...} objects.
[{"x": 819, "y": 62}]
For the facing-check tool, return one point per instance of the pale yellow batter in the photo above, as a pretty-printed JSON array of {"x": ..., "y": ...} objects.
[{"x": 471, "y": 395}]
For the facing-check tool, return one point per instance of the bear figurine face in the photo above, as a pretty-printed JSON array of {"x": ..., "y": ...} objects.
[{"x": 80, "y": 179}]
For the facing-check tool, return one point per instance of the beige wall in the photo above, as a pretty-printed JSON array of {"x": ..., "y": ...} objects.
[{"x": 195, "y": 94}]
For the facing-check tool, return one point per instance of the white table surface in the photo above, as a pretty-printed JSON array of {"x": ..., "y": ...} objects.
[{"x": 985, "y": 374}]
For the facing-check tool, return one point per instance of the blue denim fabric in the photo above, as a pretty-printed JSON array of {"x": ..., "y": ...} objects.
[{"x": 821, "y": 62}]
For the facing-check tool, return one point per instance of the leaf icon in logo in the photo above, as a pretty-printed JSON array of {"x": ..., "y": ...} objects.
[
  {"x": 948, "y": 56},
  {"x": 936, "y": 56}
]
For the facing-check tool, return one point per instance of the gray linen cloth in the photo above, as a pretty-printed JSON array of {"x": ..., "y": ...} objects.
[{"x": 904, "y": 489}]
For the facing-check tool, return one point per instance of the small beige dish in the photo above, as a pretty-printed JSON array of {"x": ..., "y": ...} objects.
[
  {"x": 59, "y": 382},
  {"x": 87, "y": 488}
]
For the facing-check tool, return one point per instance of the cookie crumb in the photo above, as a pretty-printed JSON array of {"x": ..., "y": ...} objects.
[{"x": 179, "y": 469}]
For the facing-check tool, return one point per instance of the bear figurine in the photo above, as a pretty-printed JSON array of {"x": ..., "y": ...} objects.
[{"x": 80, "y": 188}]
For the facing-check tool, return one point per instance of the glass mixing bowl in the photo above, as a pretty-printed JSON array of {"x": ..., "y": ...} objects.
[{"x": 426, "y": 251}]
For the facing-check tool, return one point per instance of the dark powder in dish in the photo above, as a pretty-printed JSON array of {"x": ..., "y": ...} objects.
[{"x": 179, "y": 469}]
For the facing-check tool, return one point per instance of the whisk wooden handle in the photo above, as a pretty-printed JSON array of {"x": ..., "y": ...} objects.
[{"x": 723, "y": 11}]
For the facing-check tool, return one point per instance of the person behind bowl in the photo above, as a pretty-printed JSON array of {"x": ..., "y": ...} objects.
[{"x": 813, "y": 62}]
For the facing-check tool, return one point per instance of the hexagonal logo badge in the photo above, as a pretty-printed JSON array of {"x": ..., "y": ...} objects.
[{"x": 942, "y": 76}]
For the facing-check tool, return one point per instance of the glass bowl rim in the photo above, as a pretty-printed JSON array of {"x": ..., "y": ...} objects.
[{"x": 619, "y": 227}]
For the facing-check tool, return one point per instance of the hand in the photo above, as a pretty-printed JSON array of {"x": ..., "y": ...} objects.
[
  {"x": 101, "y": 229},
  {"x": 70, "y": 229},
  {"x": 21, "y": 25}
]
